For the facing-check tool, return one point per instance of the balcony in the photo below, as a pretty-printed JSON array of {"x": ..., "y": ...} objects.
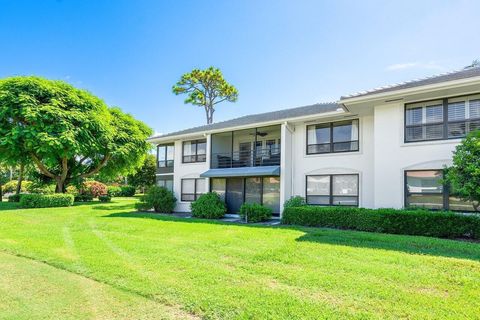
[{"x": 246, "y": 148}]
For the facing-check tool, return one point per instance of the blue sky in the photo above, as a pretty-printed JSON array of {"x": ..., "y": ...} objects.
[{"x": 277, "y": 53}]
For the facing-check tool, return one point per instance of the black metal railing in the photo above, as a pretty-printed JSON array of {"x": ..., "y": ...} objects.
[{"x": 246, "y": 158}]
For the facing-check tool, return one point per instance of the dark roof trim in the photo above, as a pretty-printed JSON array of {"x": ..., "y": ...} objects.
[
  {"x": 445, "y": 77},
  {"x": 259, "y": 118}
]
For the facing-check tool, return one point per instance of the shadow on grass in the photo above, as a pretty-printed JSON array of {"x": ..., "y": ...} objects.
[{"x": 355, "y": 239}]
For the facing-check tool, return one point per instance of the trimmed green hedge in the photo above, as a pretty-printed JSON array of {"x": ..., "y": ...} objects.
[
  {"x": 160, "y": 199},
  {"x": 83, "y": 198},
  {"x": 46, "y": 200},
  {"x": 105, "y": 198},
  {"x": 254, "y": 212},
  {"x": 208, "y": 206},
  {"x": 442, "y": 224},
  {"x": 14, "y": 197}
]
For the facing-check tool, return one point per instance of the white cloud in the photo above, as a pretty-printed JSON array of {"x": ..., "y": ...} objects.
[{"x": 432, "y": 65}]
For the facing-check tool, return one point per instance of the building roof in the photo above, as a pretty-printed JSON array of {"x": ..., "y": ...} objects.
[
  {"x": 258, "y": 118},
  {"x": 444, "y": 77}
]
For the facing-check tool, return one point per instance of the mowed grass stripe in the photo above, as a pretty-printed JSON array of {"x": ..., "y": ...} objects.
[{"x": 35, "y": 290}]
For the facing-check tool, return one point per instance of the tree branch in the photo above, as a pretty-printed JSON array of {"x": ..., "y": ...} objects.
[
  {"x": 41, "y": 166},
  {"x": 97, "y": 169}
]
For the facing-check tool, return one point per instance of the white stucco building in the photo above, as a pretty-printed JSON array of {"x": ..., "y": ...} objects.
[{"x": 385, "y": 147}]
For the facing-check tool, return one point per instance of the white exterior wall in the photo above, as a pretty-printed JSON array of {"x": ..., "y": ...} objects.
[
  {"x": 286, "y": 164},
  {"x": 185, "y": 171},
  {"x": 360, "y": 162},
  {"x": 393, "y": 156}
]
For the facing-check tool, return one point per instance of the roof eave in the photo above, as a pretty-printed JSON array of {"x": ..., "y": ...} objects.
[
  {"x": 402, "y": 92},
  {"x": 252, "y": 125}
]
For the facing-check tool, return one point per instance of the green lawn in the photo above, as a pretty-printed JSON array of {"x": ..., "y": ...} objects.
[{"x": 104, "y": 261}]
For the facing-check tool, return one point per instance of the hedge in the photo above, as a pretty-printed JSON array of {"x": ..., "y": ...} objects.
[
  {"x": 46, "y": 200},
  {"x": 159, "y": 198},
  {"x": 254, "y": 212},
  {"x": 442, "y": 224},
  {"x": 208, "y": 206}
]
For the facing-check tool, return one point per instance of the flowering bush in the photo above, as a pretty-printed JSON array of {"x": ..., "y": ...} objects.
[{"x": 94, "y": 188}]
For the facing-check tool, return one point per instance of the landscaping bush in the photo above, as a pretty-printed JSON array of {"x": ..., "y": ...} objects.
[
  {"x": 41, "y": 188},
  {"x": 159, "y": 198},
  {"x": 94, "y": 188},
  {"x": 11, "y": 186},
  {"x": 254, "y": 212},
  {"x": 441, "y": 224},
  {"x": 45, "y": 201},
  {"x": 14, "y": 197},
  {"x": 127, "y": 191},
  {"x": 83, "y": 198},
  {"x": 105, "y": 198},
  {"x": 114, "y": 191},
  {"x": 208, "y": 206},
  {"x": 295, "y": 202},
  {"x": 72, "y": 190}
]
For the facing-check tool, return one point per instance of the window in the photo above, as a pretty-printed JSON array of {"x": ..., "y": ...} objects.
[
  {"x": 219, "y": 186},
  {"x": 332, "y": 137},
  {"x": 165, "y": 155},
  {"x": 165, "y": 181},
  {"x": 442, "y": 119},
  {"x": 271, "y": 193},
  {"x": 195, "y": 151},
  {"x": 424, "y": 189},
  {"x": 192, "y": 189},
  {"x": 338, "y": 190}
]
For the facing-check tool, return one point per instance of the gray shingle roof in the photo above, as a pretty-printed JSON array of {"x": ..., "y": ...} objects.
[
  {"x": 444, "y": 77},
  {"x": 258, "y": 118}
]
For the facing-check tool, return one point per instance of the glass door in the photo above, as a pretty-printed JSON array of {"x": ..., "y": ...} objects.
[{"x": 234, "y": 195}]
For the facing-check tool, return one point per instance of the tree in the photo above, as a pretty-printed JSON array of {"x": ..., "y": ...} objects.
[
  {"x": 475, "y": 63},
  {"x": 464, "y": 175},
  {"x": 206, "y": 88},
  {"x": 145, "y": 176},
  {"x": 68, "y": 133},
  {"x": 4, "y": 178}
]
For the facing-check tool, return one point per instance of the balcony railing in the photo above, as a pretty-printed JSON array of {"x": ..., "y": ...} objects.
[{"x": 246, "y": 158}]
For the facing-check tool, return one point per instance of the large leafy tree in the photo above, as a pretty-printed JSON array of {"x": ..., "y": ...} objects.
[
  {"x": 4, "y": 177},
  {"x": 68, "y": 133},
  {"x": 206, "y": 88},
  {"x": 145, "y": 176},
  {"x": 464, "y": 175}
]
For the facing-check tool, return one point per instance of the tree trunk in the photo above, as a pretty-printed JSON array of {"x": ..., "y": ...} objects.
[
  {"x": 60, "y": 185},
  {"x": 20, "y": 178},
  {"x": 1, "y": 193}
]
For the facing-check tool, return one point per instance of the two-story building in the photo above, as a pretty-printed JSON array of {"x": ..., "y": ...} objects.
[{"x": 386, "y": 147}]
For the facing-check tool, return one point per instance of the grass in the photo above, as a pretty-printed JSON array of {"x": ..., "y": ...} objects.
[{"x": 105, "y": 261}]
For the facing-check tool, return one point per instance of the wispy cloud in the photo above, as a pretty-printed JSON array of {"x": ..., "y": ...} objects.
[{"x": 432, "y": 65}]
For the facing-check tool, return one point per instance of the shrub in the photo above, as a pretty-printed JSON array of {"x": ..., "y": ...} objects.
[
  {"x": 208, "y": 206},
  {"x": 41, "y": 188},
  {"x": 11, "y": 186},
  {"x": 127, "y": 191},
  {"x": 83, "y": 198},
  {"x": 295, "y": 202},
  {"x": 14, "y": 197},
  {"x": 46, "y": 201},
  {"x": 72, "y": 190},
  {"x": 441, "y": 224},
  {"x": 254, "y": 212},
  {"x": 105, "y": 198},
  {"x": 159, "y": 198},
  {"x": 114, "y": 191},
  {"x": 94, "y": 188}
]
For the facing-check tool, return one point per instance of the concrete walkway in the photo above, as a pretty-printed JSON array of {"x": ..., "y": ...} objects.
[{"x": 231, "y": 218}]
